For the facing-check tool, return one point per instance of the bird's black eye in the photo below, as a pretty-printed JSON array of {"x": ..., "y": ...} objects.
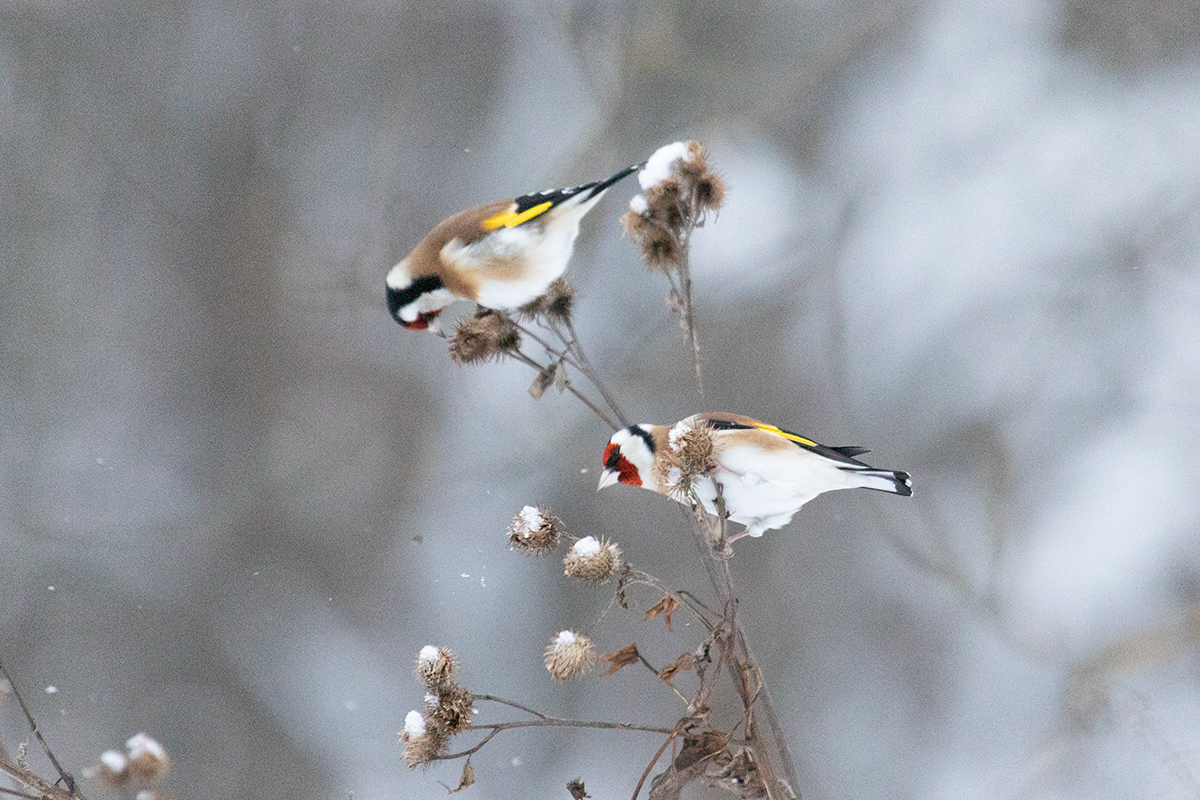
[{"x": 611, "y": 456}]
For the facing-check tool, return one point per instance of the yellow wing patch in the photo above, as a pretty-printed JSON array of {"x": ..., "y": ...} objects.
[
  {"x": 791, "y": 436},
  {"x": 511, "y": 219}
]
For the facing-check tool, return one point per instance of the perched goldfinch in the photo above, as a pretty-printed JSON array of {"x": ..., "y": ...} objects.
[
  {"x": 501, "y": 255},
  {"x": 766, "y": 474}
]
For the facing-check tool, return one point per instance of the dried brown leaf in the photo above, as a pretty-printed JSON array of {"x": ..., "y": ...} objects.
[
  {"x": 543, "y": 381},
  {"x": 467, "y": 779},
  {"x": 685, "y": 662},
  {"x": 576, "y": 789},
  {"x": 666, "y": 607},
  {"x": 622, "y": 658}
]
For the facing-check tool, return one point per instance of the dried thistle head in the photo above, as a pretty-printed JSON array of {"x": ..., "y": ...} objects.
[
  {"x": 560, "y": 299},
  {"x": 422, "y": 742},
  {"x": 679, "y": 189},
  {"x": 691, "y": 453},
  {"x": 486, "y": 335},
  {"x": 702, "y": 183},
  {"x": 592, "y": 561},
  {"x": 435, "y": 667},
  {"x": 657, "y": 243},
  {"x": 148, "y": 759},
  {"x": 667, "y": 203},
  {"x": 535, "y": 532},
  {"x": 569, "y": 655},
  {"x": 449, "y": 711},
  {"x": 556, "y": 303},
  {"x": 112, "y": 769}
]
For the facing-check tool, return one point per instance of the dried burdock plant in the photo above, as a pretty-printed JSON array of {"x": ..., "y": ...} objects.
[
  {"x": 592, "y": 561},
  {"x": 148, "y": 759},
  {"x": 138, "y": 768},
  {"x": 679, "y": 190},
  {"x": 447, "y": 708},
  {"x": 534, "y": 532}
]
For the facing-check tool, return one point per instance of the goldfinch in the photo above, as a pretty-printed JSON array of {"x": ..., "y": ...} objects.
[
  {"x": 765, "y": 473},
  {"x": 501, "y": 255}
]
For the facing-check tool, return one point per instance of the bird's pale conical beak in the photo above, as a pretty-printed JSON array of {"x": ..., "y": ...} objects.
[{"x": 608, "y": 478}]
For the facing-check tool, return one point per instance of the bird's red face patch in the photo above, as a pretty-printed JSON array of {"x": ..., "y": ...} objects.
[{"x": 626, "y": 471}]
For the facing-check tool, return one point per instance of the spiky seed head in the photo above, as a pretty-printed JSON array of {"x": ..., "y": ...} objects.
[
  {"x": 421, "y": 741},
  {"x": 449, "y": 712},
  {"x": 535, "y": 532},
  {"x": 691, "y": 453},
  {"x": 435, "y": 667},
  {"x": 569, "y": 655},
  {"x": 486, "y": 335},
  {"x": 147, "y": 758},
  {"x": 592, "y": 561},
  {"x": 112, "y": 769},
  {"x": 560, "y": 299}
]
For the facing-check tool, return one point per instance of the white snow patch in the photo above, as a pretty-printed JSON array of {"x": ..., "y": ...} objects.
[
  {"x": 565, "y": 639},
  {"x": 677, "y": 432},
  {"x": 414, "y": 724},
  {"x": 114, "y": 761},
  {"x": 638, "y": 204},
  {"x": 428, "y": 654},
  {"x": 660, "y": 165},
  {"x": 585, "y": 547},
  {"x": 531, "y": 520},
  {"x": 140, "y": 744}
]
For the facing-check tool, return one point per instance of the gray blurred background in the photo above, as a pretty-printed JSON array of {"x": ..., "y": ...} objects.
[{"x": 236, "y": 498}]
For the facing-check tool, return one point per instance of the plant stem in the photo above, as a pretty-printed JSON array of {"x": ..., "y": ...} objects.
[{"x": 544, "y": 722}]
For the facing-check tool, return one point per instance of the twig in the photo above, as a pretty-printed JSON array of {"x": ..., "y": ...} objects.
[
  {"x": 517, "y": 706},
  {"x": 63, "y": 775},
  {"x": 544, "y": 722},
  {"x": 585, "y": 366},
  {"x": 524, "y": 359},
  {"x": 646, "y": 772}
]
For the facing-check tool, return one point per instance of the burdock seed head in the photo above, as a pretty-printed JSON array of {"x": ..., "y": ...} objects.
[
  {"x": 435, "y": 667},
  {"x": 691, "y": 453},
  {"x": 556, "y": 303},
  {"x": 421, "y": 741},
  {"x": 569, "y": 655},
  {"x": 486, "y": 335},
  {"x": 592, "y": 561},
  {"x": 450, "y": 710},
  {"x": 534, "y": 532}
]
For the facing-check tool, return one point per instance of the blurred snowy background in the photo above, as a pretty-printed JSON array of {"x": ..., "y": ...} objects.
[{"x": 236, "y": 498}]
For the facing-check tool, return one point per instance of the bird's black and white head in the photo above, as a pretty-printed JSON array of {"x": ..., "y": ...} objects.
[
  {"x": 629, "y": 458},
  {"x": 416, "y": 300}
]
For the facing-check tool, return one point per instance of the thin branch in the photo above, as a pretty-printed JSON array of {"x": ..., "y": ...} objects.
[
  {"x": 15, "y": 793},
  {"x": 63, "y": 775},
  {"x": 646, "y": 772},
  {"x": 524, "y": 359},
  {"x": 545, "y": 722},
  {"x": 517, "y": 706},
  {"x": 585, "y": 366}
]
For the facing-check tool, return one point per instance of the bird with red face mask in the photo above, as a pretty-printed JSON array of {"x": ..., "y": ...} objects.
[
  {"x": 764, "y": 473},
  {"x": 501, "y": 255}
]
